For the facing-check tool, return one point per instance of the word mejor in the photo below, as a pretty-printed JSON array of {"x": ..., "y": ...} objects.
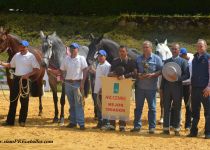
[{"x": 115, "y": 98}]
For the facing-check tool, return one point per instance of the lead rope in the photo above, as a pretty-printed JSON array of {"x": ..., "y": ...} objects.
[{"x": 22, "y": 92}]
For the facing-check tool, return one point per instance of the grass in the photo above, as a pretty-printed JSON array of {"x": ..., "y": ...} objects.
[{"x": 77, "y": 29}]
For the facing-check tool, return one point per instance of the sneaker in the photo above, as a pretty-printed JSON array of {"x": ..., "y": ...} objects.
[
  {"x": 71, "y": 125},
  {"x": 192, "y": 135},
  {"x": 122, "y": 129},
  {"x": 98, "y": 126},
  {"x": 7, "y": 124},
  {"x": 61, "y": 122},
  {"x": 22, "y": 124},
  {"x": 152, "y": 131},
  {"x": 187, "y": 129},
  {"x": 82, "y": 127},
  {"x": 135, "y": 129},
  {"x": 166, "y": 132},
  {"x": 176, "y": 133},
  {"x": 108, "y": 128},
  {"x": 207, "y": 136}
]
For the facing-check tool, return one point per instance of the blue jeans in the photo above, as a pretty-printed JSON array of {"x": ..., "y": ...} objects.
[
  {"x": 75, "y": 101},
  {"x": 140, "y": 96},
  {"x": 197, "y": 99}
]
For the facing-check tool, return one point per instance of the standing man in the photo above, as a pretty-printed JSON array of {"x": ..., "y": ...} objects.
[
  {"x": 200, "y": 88},
  {"x": 172, "y": 91},
  {"x": 122, "y": 67},
  {"x": 187, "y": 89},
  {"x": 149, "y": 67},
  {"x": 25, "y": 65},
  {"x": 102, "y": 69},
  {"x": 75, "y": 67}
]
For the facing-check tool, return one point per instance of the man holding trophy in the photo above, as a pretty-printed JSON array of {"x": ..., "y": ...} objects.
[{"x": 149, "y": 67}]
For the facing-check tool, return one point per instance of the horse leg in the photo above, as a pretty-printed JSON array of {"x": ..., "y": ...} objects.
[
  {"x": 62, "y": 102},
  {"x": 40, "y": 106},
  {"x": 161, "y": 107},
  {"x": 55, "y": 100}
]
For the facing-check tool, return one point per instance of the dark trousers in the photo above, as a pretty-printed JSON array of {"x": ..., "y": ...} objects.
[
  {"x": 186, "y": 96},
  {"x": 187, "y": 102},
  {"x": 13, "y": 104},
  {"x": 172, "y": 98},
  {"x": 197, "y": 99}
]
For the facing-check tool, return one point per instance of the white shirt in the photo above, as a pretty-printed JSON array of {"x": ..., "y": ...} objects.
[
  {"x": 24, "y": 64},
  {"x": 188, "y": 81},
  {"x": 74, "y": 67},
  {"x": 101, "y": 70}
]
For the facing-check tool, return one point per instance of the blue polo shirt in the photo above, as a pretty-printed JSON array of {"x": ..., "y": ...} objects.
[{"x": 154, "y": 64}]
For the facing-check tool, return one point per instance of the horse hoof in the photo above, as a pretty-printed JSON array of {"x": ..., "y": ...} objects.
[
  {"x": 55, "y": 120},
  {"x": 160, "y": 121},
  {"x": 40, "y": 114},
  {"x": 61, "y": 122}
]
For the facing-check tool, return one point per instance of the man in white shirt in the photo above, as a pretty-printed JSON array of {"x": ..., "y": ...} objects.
[
  {"x": 102, "y": 69},
  {"x": 25, "y": 65},
  {"x": 75, "y": 68}
]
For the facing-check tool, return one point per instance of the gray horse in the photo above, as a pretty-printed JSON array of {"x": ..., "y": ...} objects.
[{"x": 54, "y": 51}]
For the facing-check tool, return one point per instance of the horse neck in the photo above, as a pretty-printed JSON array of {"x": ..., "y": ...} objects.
[
  {"x": 111, "y": 47},
  {"x": 59, "y": 53},
  {"x": 12, "y": 45}
]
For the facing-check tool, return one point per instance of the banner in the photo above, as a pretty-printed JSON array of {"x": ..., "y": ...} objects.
[{"x": 116, "y": 96}]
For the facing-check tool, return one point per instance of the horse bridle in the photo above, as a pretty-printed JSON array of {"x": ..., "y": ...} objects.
[{"x": 49, "y": 52}]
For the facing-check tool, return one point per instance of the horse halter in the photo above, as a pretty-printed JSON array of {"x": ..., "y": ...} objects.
[{"x": 49, "y": 49}]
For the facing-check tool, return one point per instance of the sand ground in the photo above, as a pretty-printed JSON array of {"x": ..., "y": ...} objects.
[{"x": 42, "y": 129}]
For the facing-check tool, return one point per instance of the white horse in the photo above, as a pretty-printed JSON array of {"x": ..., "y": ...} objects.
[{"x": 163, "y": 51}]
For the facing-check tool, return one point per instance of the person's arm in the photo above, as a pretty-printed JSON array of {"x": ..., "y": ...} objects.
[
  {"x": 84, "y": 71},
  {"x": 6, "y": 65},
  {"x": 206, "y": 91},
  {"x": 33, "y": 72},
  {"x": 185, "y": 70}
]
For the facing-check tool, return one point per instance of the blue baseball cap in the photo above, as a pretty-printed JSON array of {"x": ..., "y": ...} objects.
[
  {"x": 183, "y": 51},
  {"x": 24, "y": 43},
  {"x": 102, "y": 52},
  {"x": 74, "y": 45}
]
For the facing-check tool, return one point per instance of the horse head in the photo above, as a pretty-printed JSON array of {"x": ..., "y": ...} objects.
[
  {"x": 93, "y": 48},
  {"x": 46, "y": 49},
  {"x": 4, "y": 44},
  {"x": 162, "y": 50}
]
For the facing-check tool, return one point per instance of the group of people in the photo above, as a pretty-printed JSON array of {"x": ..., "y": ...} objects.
[{"x": 193, "y": 81}]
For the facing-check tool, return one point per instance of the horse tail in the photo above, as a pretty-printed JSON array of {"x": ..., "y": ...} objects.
[{"x": 87, "y": 86}]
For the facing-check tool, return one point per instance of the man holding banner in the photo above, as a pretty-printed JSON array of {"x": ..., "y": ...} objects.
[
  {"x": 122, "y": 67},
  {"x": 149, "y": 68}
]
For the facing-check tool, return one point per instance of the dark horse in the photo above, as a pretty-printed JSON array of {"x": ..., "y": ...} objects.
[
  {"x": 10, "y": 43},
  {"x": 111, "y": 47},
  {"x": 54, "y": 51}
]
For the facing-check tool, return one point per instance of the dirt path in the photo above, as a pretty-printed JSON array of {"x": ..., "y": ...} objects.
[{"x": 42, "y": 129}]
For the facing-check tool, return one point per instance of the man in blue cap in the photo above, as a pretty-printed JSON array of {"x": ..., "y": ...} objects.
[
  {"x": 25, "y": 65},
  {"x": 75, "y": 68},
  {"x": 102, "y": 69}
]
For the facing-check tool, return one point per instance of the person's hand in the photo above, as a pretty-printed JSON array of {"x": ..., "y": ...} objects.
[
  {"x": 149, "y": 75},
  {"x": 121, "y": 77},
  {"x": 206, "y": 92},
  {"x": 81, "y": 86},
  {"x": 91, "y": 69}
]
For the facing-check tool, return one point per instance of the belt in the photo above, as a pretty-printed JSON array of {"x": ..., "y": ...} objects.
[{"x": 72, "y": 81}]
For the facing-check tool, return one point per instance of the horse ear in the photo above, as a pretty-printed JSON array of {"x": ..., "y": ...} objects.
[
  {"x": 42, "y": 34},
  {"x": 156, "y": 42},
  {"x": 166, "y": 42},
  {"x": 54, "y": 33},
  {"x": 91, "y": 36}
]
